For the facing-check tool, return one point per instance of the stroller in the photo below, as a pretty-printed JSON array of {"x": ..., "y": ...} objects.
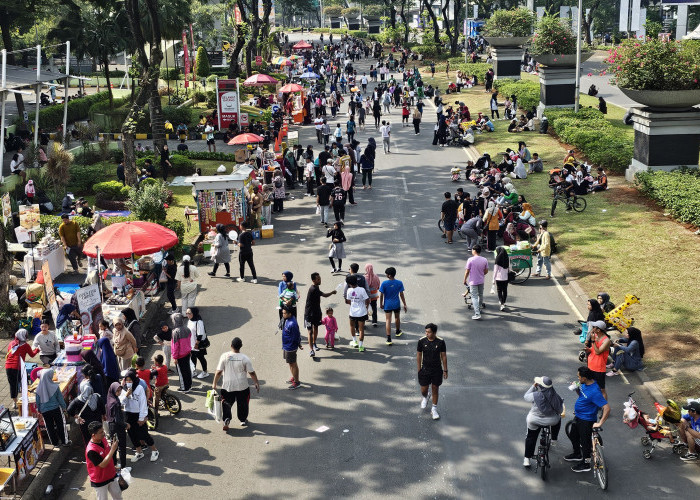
[{"x": 655, "y": 429}]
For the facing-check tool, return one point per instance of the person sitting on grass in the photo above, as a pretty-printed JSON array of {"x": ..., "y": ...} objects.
[
  {"x": 601, "y": 182},
  {"x": 628, "y": 352},
  {"x": 513, "y": 127},
  {"x": 535, "y": 164}
]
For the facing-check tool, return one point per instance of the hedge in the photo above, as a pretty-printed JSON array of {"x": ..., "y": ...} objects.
[
  {"x": 526, "y": 92},
  {"x": 114, "y": 190},
  {"x": 181, "y": 165},
  {"x": 51, "y": 117},
  {"x": 83, "y": 177},
  {"x": 677, "y": 191}
]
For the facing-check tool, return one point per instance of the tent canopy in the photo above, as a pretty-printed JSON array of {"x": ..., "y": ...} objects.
[{"x": 17, "y": 77}]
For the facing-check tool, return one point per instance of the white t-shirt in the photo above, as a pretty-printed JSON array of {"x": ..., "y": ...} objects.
[
  {"x": 357, "y": 297},
  {"x": 329, "y": 172},
  {"x": 385, "y": 131},
  {"x": 236, "y": 367},
  {"x": 318, "y": 122}
]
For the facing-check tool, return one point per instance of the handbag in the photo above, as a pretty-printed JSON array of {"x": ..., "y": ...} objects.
[
  {"x": 204, "y": 343},
  {"x": 163, "y": 278}
]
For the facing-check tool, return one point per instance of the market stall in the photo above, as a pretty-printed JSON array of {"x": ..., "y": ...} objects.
[
  {"x": 294, "y": 93},
  {"x": 21, "y": 443},
  {"x": 68, "y": 376},
  {"x": 48, "y": 250}
]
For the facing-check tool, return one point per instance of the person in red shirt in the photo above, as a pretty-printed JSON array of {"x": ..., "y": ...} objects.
[
  {"x": 16, "y": 350},
  {"x": 144, "y": 374},
  {"x": 404, "y": 115},
  {"x": 160, "y": 371},
  {"x": 100, "y": 463}
]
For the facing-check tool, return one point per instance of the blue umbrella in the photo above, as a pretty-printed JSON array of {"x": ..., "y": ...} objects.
[{"x": 309, "y": 74}]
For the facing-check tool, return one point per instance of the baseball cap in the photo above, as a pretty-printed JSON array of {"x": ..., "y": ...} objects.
[
  {"x": 544, "y": 381},
  {"x": 693, "y": 405},
  {"x": 599, "y": 324}
]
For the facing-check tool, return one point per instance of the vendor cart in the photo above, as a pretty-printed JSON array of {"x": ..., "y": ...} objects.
[{"x": 520, "y": 264}]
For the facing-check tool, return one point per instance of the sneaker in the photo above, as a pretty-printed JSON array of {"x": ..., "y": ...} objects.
[
  {"x": 353, "y": 343},
  {"x": 125, "y": 469},
  {"x": 202, "y": 375},
  {"x": 294, "y": 386},
  {"x": 226, "y": 424},
  {"x": 389, "y": 342},
  {"x": 312, "y": 353},
  {"x": 582, "y": 466},
  {"x": 612, "y": 373},
  {"x": 137, "y": 457},
  {"x": 361, "y": 348},
  {"x": 689, "y": 457},
  {"x": 244, "y": 423},
  {"x": 254, "y": 281},
  {"x": 227, "y": 275},
  {"x": 424, "y": 403},
  {"x": 154, "y": 455},
  {"x": 526, "y": 462},
  {"x": 291, "y": 380},
  {"x": 240, "y": 279},
  {"x": 476, "y": 316},
  {"x": 573, "y": 457},
  {"x": 316, "y": 347},
  {"x": 195, "y": 373},
  {"x": 211, "y": 274},
  {"x": 434, "y": 413},
  {"x": 398, "y": 333},
  {"x": 609, "y": 366}
]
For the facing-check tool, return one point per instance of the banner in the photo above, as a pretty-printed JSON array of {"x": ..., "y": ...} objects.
[
  {"x": 194, "y": 52},
  {"x": 6, "y": 208},
  {"x": 237, "y": 15},
  {"x": 29, "y": 216},
  {"x": 90, "y": 307},
  {"x": 186, "y": 58},
  {"x": 227, "y": 93},
  {"x": 49, "y": 289}
]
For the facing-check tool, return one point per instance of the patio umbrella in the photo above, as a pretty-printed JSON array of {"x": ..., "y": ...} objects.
[
  {"x": 245, "y": 139},
  {"x": 302, "y": 45},
  {"x": 295, "y": 57},
  {"x": 282, "y": 61},
  {"x": 309, "y": 74},
  {"x": 291, "y": 87},
  {"x": 259, "y": 80},
  {"x": 125, "y": 239}
]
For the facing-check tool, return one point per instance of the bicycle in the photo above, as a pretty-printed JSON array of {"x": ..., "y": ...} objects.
[
  {"x": 458, "y": 228},
  {"x": 542, "y": 459},
  {"x": 574, "y": 202},
  {"x": 600, "y": 469},
  {"x": 168, "y": 402}
]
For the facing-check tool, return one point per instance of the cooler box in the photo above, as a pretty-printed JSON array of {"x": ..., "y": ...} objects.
[
  {"x": 73, "y": 349},
  {"x": 267, "y": 231}
]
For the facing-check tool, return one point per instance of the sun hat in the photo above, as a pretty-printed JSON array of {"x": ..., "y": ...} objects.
[{"x": 544, "y": 381}]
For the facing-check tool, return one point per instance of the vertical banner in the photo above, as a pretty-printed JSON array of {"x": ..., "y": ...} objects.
[
  {"x": 476, "y": 11},
  {"x": 227, "y": 96},
  {"x": 194, "y": 52},
  {"x": 237, "y": 15},
  {"x": 186, "y": 58},
  {"x": 25, "y": 387},
  {"x": 624, "y": 15},
  {"x": 90, "y": 307},
  {"x": 636, "y": 11},
  {"x": 6, "y": 208},
  {"x": 49, "y": 289}
]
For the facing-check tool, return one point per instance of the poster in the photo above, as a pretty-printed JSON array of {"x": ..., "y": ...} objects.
[
  {"x": 29, "y": 216},
  {"x": 227, "y": 93},
  {"x": 6, "y": 208},
  {"x": 90, "y": 307},
  {"x": 186, "y": 58},
  {"x": 49, "y": 289}
]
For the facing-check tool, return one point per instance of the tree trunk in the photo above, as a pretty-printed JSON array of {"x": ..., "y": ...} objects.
[
  {"x": 587, "y": 21},
  {"x": 436, "y": 28},
  {"x": 105, "y": 66},
  {"x": 251, "y": 48},
  {"x": 446, "y": 24},
  {"x": 7, "y": 44},
  {"x": 406, "y": 27},
  {"x": 5, "y": 268}
]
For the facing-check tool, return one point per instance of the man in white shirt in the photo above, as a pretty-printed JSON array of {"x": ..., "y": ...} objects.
[
  {"x": 318, "y": 123},
  {"x": 235, "y": 368},
  {"x": 385, "y": 130},
  {"x": 211, "y": 143},
  {"x": 329, "y": 172},
  {"x": 364, "y": 82},
  {"x": 359, "y": 300}
]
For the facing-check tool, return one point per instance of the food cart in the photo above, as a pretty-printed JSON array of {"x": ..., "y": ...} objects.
[{"x": 21, "y": 444}]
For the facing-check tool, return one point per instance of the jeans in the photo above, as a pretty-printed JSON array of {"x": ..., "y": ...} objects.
[
  {"x": 581, "y": 433},
  {"x": 244, "y": 259},
  {"x": 324, "y": 213},
  {"x": 386, "y": 144},
  {"x": 472, "y": 237},
  {"x": 541, "y": 259},
  {"x": 75, "y": 255},
  {"x": 240, "y": 397},
  {"x": 477, "y": 293},
  {"x": 366, "y": 176}
]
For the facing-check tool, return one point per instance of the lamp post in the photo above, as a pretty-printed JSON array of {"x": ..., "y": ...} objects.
[{"x": 578, "y": 55}]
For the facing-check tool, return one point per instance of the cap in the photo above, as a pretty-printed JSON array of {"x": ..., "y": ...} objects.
[
  {"x": 599, "y": 324},
  {"x": 693, "y": 405},
  {"x": 544, "y": 381}
]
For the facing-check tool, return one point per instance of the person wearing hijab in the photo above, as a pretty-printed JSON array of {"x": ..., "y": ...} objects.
[
  {"x": 125, "y": 345},
  {"x": 492, "y": 219},
  {"x": 50, "y": 403},
  {"x": 170, "y": 270},
  {"x": 346, "y": 184},
  {"x": 510, "y": 235},
  {"x": 221, "y": 251},
  {"x": 373, "y": 283},
  {"x": 337, "y": 249},
  {"x": 500, "y": 275},
  {"x": 90, "y": 358},
  {"x": 87, "y": 407},
  {"x": 116, "y": 420},
  {"x": 108, "y": 360},
  {"x": 96, "y": 225},
  {"x": 132, "y": 324},
  {"x": 186, "y": 278},
  {"x": 30, "y": 191},
  {"x": 181, "y": 349},
  {"x": 195, "y": 323},
  {"x": 136, "y": 412},
  {"x": 628, "y": 352},
  {"x": 547, "y": 407},
  {"x": 17, "y": 350}
]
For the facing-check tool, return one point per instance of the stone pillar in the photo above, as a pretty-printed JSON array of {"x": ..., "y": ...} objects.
[
  {"x": 664, "y": 139},
  {"x": 506, "y": 62},
  {"x": 557, "y": 87}
]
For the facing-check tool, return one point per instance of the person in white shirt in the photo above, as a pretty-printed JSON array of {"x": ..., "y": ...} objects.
[
  {"x": 234, "y": 367},
  {"x": 186, "y": 277},
  {"x": 47, "y": 343},
  {"x": 329, "y": 172},
  {"x": 359, "y": 300},
  {"x": 318, "y": 123},
  {"x": 136, "y": 411},
  {"x": 211, "y": 143},
  {"x": 385, "y": 130}
]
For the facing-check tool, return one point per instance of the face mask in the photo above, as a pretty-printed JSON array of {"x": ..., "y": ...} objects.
[{"x": 128, "y": 385}]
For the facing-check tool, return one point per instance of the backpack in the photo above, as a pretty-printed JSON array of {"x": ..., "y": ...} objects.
[
  {"x": 278, "y": 182},
  {"x": 552, "y": 244}
]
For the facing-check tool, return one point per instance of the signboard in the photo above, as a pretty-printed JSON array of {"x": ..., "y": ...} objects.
[
  {"x": 90, "y": 307},
  {"x": 49, "y": 289},
  {"x": 244, "y": 120},
  {"x": 29, "y": 216},
  {"x": 227, "y": 93},
  {"x": 194, "y": 51},
  {"x": 6, "y": 208},
  {"x": 258, "y": 60},
  {"x": 186, "y": 58}
]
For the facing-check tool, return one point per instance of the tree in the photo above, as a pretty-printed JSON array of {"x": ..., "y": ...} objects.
[
  {"x": 427, "y": 5},
  {"x": 6, "y": 259},
  {"x": 202, "y": 62}
]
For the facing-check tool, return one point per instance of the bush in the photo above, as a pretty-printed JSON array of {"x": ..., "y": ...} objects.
[
  {"x": 170, "y": 74},
  {"x": 181, "y": 164},
  {"x": 148, "y": 202},
  {"x": 206, "y": 155},
  {"x": 202, "y": 63},
  {"x": 83, "y": 177},
  {"x": 677, "y": 191},
  {"x": 211, "y": 99},
  {"x": 212, "y": 78},
  {"x": 350, "y": 12},
  {"x": 526, "y": 92},
  {"x": 333, "y": 11},
  {"x": 51, "y": 117},
  {"x": 199, "y": 96},
  {"x": 552, "y": 36},
  {"x": 509, "y": 23},
  {"x": 427, "y": 50},
  {"x": 114, "y": 190}
]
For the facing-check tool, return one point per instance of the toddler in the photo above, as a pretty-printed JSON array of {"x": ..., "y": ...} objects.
[
  {"x": 160, "y": 372},
  {"x": 331, "y": 328}
]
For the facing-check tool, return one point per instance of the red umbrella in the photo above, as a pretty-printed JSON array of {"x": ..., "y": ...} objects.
[
  {"x": 302, "y": 45},
  {"x": 259, "y": 80},
  {"x": 291, "y": 87},
  {"x": 245, "y": 139},
  {"x": 124, "y": 239}
]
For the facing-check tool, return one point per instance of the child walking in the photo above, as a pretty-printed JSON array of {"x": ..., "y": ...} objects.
[{"x": 331, "y": 328}]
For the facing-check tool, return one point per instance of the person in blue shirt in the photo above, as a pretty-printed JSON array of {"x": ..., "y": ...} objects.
[
  {"x": 282, "y": 286},
  {"x": 390, "y": 291},
  {"x": 590, "y": 399},
  {"x": 291, "y": 341},
  {"x": 690, "y": 430}
]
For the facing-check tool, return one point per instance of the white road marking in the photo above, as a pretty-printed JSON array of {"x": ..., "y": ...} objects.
[
  {"x": 418, "y": 245},
  {"x": 573, "y": 307},
  {"x": 405, "y": 186}
]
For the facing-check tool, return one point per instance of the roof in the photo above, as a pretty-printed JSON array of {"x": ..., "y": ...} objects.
[
  {"x": 18, "y": 77},
  {"x": 222, "y": 181}
]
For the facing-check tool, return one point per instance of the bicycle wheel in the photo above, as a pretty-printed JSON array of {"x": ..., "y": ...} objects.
[
  {"x": 172, "y": 404},
  {"x": 522, "y": 275},
  {"x": 441, "y": 226},
  {"x": 152, "y": 419},
  {"x": 554, "y": 206},
  {"x": 579, "y": 204},
  {"x": 599, "y": 467},
  {"x": 544, "y": 464}
]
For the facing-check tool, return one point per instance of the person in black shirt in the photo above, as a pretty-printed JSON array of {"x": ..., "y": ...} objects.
[
  {"x": 432, "y": 366},
  {"x": 149, "y": 168},
  {"x": 121, "y": 177},
  {"x": 245, "y": 255},
  {"x": 339, "y": 197},
  {"x": 323, "y": 200},
  {"x": 312, "y": 310},
  {"x": 449, "y": 216},
  {"x": 165, "y": 161},
  {"x": 87, "y": 407}
]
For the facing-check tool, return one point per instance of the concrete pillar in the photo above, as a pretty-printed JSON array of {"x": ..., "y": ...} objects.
[
  {"x": 506, "y": 62},
  {"x": 681, "y": 22},
  {"x": 557, "y": 87}
]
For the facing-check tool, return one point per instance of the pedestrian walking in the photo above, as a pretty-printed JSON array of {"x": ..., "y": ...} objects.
[
  {"x": 245, "y": 255},
  {"x": 233, "y": 368},
  {"x": 99, "y": 459},
  {"x": 431, "y": 357},
  {"x": 339, "y": 196},
  {"x": 358, "y": 299},
  {"x": 50, "y": 403},
  {"x": 492, "y": 219},
  {"x": 346, "y": 181},
  {"x": 220, "y": 251},
  {"x": 323, "y": 200},
  {"x": 543, "y": 248},
  {"x": 291, "y": 341},
  {"x": 136, "y": 412},
  {"x": 312, "y": 311},
  {"x": 116, "y": 420},
  {"x": 198, "y": 341},
  {"x": 125, "y": 345},
  {"x": 500, "y": 275},
  {"x": 331, "y": 325},
  {"x": 337, "y": 247},
  {"x": 475, "y": 270},
  {"x": 165, "y": 161},
  {"x": 110, "y": 365},
  {"x": 186, "y": 277},
  {"x": 69, "y": 232},
  {"x": 181, "y": 350},
  {"x": 385, "y": 130},
  {"x": 417, "y": 116},
  {"x": 86, "y": 408},
  {"x": 391, "y": 296},
  {"x": 170, "y": 271},
  {"x": 373, "y": 284}
]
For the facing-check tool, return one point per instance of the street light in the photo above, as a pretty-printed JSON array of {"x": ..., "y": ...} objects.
[{"x": 578, "y": 55}]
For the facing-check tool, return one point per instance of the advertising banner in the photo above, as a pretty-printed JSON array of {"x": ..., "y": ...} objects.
[
  {"x": 227, "y": 93},
  {"x": 90, "y": 307},
  {"x": 186, "y": 58},
  {"x": 49, "y": 289}
]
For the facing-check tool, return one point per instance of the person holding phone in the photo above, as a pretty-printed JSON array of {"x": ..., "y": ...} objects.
[{"x": 100, "y": 463}]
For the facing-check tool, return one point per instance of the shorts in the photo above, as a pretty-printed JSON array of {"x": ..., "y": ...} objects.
[
  {"x": 449, "y": 225},
  {"x": 311, "y": 322},
  {"x": 210, "y": 141},
  {"x": 358, "y": 318},
  {"x": 396, "y": 311},
  {"x": 600, "y": 378},
  {"x": 289, "y": 356},
  {"x": 430, "y": 377}
]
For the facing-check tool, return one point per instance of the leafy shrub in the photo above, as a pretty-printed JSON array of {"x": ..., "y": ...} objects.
[
  {"x": 182, "y": 165},
  {"x": 350, "y": 12},
  {"x": 212, "y": 78},
  {"x": 508, "y": 23},
  {"x": 177, "y": 115},
  {"x": 677, "y": 191},
  {"x": 82, "y": 177},
  {"x": 199, "y": 96},
  {"x": 51, "y": 117},
  {"x": 148, "y": 202},
  {"x": 526, "y": 92},
  {"x": 206, "y": 155},
  {"x": 552, "y": 36},
  {"x": 103, "y": 106},
  {"x": 170, "y": 74},
  {"x": 114, "y": 190},
  {"x": 427, "y": 50},
  {"x": 211, "y": 99},
  {"x": 333, "y": 11}
]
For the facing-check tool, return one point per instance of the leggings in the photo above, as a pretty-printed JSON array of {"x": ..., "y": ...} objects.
[
  {"x": 373, "y": 305},
  {"x": 340, "y": 263},
  {"x": 416, "y": 126},
  {"x": 502, "y": 288},
  {"x": 242, "y": 260},
  {"x": 201, "y": 356},
  {"x": 350, "y": 195},
  {"x": 55, "y": 426},
  {"x": 376, "y": 120},
  {"x": 138, "y": 433},
  {"x": 120, "y": 432},
  {"x": 13, "y": 381},
  {"x": 171, "y": 294},
  {"x": 226, "y": 266},
  {"x": 531, "y": 439},
  {"x": 183, "y": 369},
  {"x": 310, "y": 186},
  {"x": 366, "y": 176},
  {"x": 495, "y": 111},
  {"x": 278, "y": 205}
]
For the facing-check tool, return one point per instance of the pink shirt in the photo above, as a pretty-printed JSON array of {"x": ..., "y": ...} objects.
[
  {"x": 500, "y": 273},
  {"x": 477, "y": 267},
  {"x": 330, "y": 323}
]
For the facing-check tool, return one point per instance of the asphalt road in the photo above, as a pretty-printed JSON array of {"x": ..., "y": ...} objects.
[{"x": 378, "y": 441}]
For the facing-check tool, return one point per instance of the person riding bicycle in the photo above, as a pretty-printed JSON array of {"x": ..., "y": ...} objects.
[
  {"x": 590, "y": 400},
  {"x": 547, "y": 407}
]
